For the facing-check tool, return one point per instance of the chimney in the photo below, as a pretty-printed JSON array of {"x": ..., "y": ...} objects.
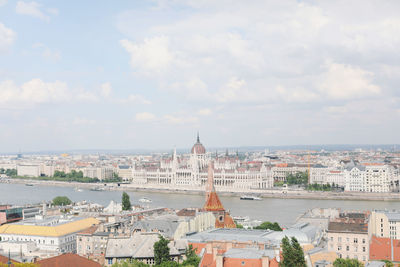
[
  {"x": 264, "y": 261},
  {"x": 219, "y": 262}
]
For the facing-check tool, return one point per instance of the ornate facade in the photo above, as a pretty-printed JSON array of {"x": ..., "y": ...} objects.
[{"x": 191, "y": 171}]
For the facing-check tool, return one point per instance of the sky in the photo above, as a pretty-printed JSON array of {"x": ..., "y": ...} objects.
[{"x": 150, "y": 74}]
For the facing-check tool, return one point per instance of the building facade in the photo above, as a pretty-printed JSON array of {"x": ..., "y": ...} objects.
[{"x": 191, "y": 171}]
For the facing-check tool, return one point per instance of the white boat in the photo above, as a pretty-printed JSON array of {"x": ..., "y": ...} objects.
[
  {"x": 145, "y": 200},
  {"x": 249, "y": 197},
  {"x": 77, "y": 189},
  {"x": 97, "y": 189}
]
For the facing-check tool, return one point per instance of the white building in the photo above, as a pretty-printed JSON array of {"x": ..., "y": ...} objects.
[
  {"x": 56, "y": 234},
  {"x": 191, "y": 171},
  {"x": 100, "y": 173},
  {"x": 369, "y": 178},
  {"x": 28, "y": 170}
]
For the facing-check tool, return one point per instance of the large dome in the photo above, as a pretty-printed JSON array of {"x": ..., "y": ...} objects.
[{"x": 198, "y": 147}]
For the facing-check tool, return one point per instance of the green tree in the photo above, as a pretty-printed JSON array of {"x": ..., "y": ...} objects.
[
  {"x": 269, "y": 225},
  {"x": 292, "y": 253},
  {"x": 61, "y": 201},
  {"x": 298, "y": 253},
  {"x": 168, "y": 264},
  {"x": 126, "y": 202},
  {"x": 11, "y": 172},
  {"x": 388, "y": 263},
  {"x": 161, "y": 250},
  {"x": 347, "y": 263},
  {"x": 132, "y": 263},
  {"x": 191, "y": 258},
  {"x": 287, "y": 253}
]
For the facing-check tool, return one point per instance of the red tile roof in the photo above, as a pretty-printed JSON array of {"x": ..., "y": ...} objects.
[
  {"x": 4, "y": 259},
  {"x": 380, "y": 248},
  {"x": 67, "y": 260}
]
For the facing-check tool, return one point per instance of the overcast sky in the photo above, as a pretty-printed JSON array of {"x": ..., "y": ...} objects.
[{"x": 150, "y": 74}]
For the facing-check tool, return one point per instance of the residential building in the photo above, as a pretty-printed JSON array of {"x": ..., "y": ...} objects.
[
  {"x": 139, "y": 246},
  {"x": 92, "y": 243},
  {"x": 28, "y": 170},
  {"x": 239, "y": 257},
  {"x": 348, "y": 236},
  {"x": 56, "y": 233},
  {"x": 385, "y": 223}
]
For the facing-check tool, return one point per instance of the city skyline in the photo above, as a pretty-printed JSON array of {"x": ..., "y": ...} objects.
[{"x": 149, "y": 75}]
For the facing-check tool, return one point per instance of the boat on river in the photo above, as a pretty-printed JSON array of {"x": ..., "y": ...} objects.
[
  {"x": 145, "y": 200},
  {"x": 249, "y": 197}
]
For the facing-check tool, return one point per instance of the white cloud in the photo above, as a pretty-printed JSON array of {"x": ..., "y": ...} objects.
[
  {"x": 136, "y": 99},
  {"x": 342, "y": 81},
  {"x": 106, "y": 90},
  {"x": 7, "y": 37},
  {"x": 34, "y": 9},
  {"x": 48, "y": 53},
  {"x": 36, "y": 92},
  {"x": 176, "y": 119},
  {"x": 204, "y": 112},
  {"x": 3, "y": 3},
  {"x": 145, "y": 116},
  {"x": 33, "y": 92},
  {"x": 152, "y": 55},
  {"x": 83, "y": 121}
]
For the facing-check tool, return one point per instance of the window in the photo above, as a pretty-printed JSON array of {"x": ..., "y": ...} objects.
[
  {"x": 339, "y": 248},
  {"x": 363, "y": 249},
  {"x": 347, "y": 248},
  {"x": 332, "y": 238},
  {"x": 356, "y": 240},
  {"x": 110, "y": 261},
  {"x": 339, "y": 239}
]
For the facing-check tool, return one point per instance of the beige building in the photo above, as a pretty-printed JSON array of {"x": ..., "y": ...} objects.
[
  {"x": 385, "y": 224},
  {"x": 348, "y": 236},
  {"x": 92, "y": 244}
]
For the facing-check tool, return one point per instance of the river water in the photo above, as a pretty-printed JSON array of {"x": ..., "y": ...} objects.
[{"x": 283, "y": 211}]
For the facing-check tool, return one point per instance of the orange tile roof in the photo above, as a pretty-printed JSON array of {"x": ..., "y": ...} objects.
[
  {"x": 67, "y": 260},
  {"x": 381, "y": 249},
  {"x": 213, "y": 203},
  {"x": 4, "y": 259}
]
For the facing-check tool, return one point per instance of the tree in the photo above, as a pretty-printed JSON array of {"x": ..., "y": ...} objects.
[
  {"x": 298, "y": 253},
  {"x": 61, "y": 201},
  {"x": 388, "y": 263},
  {"x": 126, "y": 202},
  {"x": 347, "y": 263},
  {"x": 191, "y": 258},
  {"x": 161, "y": 250},
  {"x": 269, "y": 225},
  {"x": 132, "y": 263},
  {"x": 292, "y": 253}
]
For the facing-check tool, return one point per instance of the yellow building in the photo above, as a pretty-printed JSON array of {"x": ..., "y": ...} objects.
[{"x": 49, "y": 233}]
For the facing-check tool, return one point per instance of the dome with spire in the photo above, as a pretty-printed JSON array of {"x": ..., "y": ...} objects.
[{"x": 198, "y": 148}]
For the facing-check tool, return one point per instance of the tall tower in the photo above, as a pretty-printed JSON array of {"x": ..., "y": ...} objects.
[{"x": 210, "y": 180}]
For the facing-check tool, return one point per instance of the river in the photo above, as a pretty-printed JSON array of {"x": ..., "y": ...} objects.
[{"x": 283, "y": 211}]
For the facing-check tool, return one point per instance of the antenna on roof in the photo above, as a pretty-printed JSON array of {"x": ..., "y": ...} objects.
[{"x": 198, "y": 137}]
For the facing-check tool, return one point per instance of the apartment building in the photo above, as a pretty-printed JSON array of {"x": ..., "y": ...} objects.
[{"x": 348, "y": 236}]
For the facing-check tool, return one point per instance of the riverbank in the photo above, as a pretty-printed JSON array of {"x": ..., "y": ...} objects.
[{"x": 275, "y": 193}]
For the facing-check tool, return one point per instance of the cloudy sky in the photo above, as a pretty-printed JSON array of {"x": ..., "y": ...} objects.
[{"x": 150, "y": 74}]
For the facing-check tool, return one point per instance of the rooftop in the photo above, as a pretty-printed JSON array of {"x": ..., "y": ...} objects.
[{"x": 57, "y": 229}]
